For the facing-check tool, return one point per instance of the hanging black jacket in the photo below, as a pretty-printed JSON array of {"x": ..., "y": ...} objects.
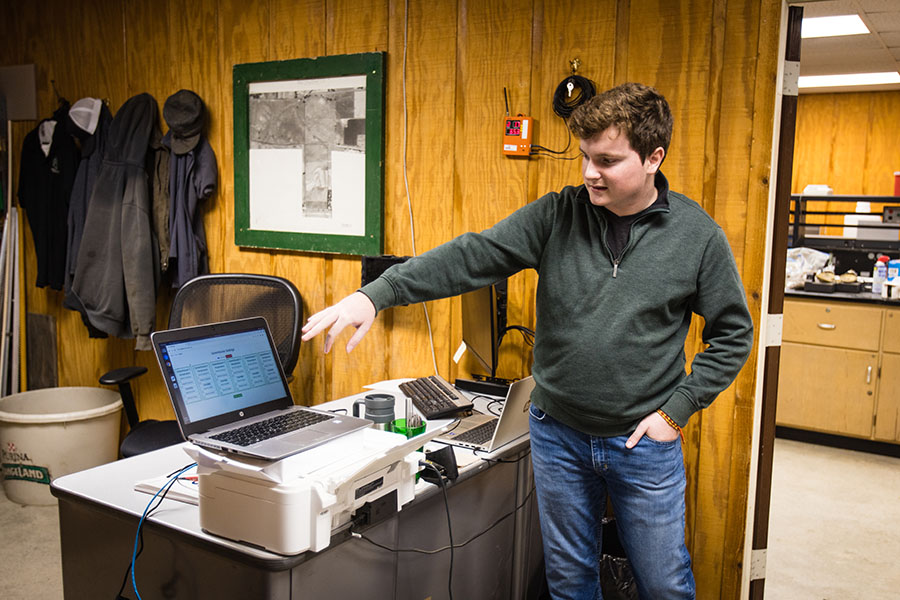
[
  {"x": 117, "y": 270},
  {"x": 45, "y": 184}
]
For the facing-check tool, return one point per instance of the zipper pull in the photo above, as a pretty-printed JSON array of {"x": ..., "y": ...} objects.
[{"x": 615, "y": 267}]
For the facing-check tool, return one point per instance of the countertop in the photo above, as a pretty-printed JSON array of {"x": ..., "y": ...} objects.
[{"x": 865, "y": 297}]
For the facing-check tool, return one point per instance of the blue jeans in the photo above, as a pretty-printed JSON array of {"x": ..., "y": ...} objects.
[{"x": 573, "y": 473}]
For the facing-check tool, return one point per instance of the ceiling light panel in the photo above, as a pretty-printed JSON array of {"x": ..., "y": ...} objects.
[
  {"x": 848, "y": 79},
  {"x": 815, "y": 27}
]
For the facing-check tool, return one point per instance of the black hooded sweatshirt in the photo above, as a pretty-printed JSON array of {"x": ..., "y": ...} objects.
[{"x": 45, "y": 184}]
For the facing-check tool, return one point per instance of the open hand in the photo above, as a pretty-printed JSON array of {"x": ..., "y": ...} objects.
[{"x": 356, "y": 310}]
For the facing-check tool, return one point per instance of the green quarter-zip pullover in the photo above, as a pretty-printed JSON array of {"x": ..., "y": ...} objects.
[{"x": 610, "y": 334}]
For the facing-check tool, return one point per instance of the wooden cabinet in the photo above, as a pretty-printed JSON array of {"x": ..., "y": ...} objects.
[
  {"x": 827, "y": 389},
  {"x": 832, "y": 324},
  {"x": 887, "y": 419},
  {"x": 891, "y": 331},
  {"x": 840, "y": 369}
]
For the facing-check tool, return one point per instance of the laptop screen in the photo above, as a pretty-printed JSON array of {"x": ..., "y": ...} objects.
[{"x": 213, "y": 372}]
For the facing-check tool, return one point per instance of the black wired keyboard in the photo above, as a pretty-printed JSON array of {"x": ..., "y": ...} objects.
[
  {"x": 264, "y": 430},
  {"x": 435, "y": 398},
  {"x": 480, "y": 435}
]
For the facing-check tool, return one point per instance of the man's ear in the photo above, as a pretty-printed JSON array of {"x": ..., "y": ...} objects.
[{"x": 654, "y": 160}]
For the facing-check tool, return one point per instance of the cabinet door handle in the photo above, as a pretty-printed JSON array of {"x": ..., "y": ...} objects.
[
  {"x": 869, "y": 374},
  {"x": 827, "y": 326}
]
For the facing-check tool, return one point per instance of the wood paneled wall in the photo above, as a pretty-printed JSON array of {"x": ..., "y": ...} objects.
[
  {"x": 848, "y": 141},
  {"x": 715, "y": 60}
]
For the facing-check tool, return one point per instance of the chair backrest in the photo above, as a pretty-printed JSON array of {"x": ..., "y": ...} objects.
[{"x": 228, "y": 296}]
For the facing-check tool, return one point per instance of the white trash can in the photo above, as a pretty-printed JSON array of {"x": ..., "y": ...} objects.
[{"x": 48, "y": 433}]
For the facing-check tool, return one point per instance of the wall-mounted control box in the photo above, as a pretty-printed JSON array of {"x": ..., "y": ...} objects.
[{"x": 517, "y": 136}]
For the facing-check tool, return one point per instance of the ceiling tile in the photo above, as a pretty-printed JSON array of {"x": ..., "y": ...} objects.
[
  {"x": 885, "y": 21},
  {"x": 857, "y": 53},
  {"x": 863, "y": 61},
  {"x": 847, "y": 44},
  {"x": 878, "y": 5},
  {"x": 828, "y": 8}
]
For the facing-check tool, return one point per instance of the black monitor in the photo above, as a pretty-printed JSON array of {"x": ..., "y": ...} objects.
[{"x": 483, "y": 326}]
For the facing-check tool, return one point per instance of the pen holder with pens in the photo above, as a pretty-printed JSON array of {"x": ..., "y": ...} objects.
[
  {"x": 410, "y": 427},
  {"x": 416, "y": 426}
]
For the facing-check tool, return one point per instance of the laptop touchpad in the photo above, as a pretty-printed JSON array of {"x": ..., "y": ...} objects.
[{"x": 305, "y": 437}]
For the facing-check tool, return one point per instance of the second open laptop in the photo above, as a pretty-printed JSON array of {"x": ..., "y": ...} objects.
[
  {"x": 229, "y": 392},
  {"x": 486, "y": 432}
]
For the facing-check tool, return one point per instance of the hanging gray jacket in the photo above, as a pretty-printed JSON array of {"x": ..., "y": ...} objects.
[
  {"x": 93, "y": 146},
  {"x": 117, "y": 270}
]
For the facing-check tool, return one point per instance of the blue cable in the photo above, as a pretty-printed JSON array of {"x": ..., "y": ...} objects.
[{"x": 163, "y": 490}]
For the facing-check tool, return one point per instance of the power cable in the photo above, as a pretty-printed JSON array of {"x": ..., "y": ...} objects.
[
  {"x": 412, "y": 229},
  {"x": 572, "y": 92},
  {"x": 487, "y": 529},
  {"x": 139, "y": 534}
]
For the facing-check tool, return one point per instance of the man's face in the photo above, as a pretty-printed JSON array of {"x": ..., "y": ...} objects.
[{"x": 615, "y": 175}]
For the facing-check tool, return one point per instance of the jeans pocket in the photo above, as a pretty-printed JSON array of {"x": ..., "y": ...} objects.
[
  {"x": 536, "y": 413},
  {"x": 659, "y": 443}
]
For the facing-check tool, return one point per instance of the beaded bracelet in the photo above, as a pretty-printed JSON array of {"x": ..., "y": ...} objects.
[
  {"x": 671, "y": 423},
  {"x": 668, "y": 419}
]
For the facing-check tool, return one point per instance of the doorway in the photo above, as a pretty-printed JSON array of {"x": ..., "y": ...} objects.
[{"x": 828, "y": 527}]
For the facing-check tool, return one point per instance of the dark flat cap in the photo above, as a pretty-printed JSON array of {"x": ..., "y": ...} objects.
[{"x": 183, "y": 112}]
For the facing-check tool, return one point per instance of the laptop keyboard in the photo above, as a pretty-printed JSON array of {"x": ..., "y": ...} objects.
[
  {"x": 434, "y": 397},
  {"x": 264, "y": 430},
  {"x": 480, "y": 435}
]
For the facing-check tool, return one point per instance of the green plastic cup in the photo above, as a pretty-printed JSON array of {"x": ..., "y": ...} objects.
[{"x": 399, "y": 426}]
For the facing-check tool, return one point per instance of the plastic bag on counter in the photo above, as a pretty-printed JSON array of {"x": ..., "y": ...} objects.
[{"x": 800, "y": 262}]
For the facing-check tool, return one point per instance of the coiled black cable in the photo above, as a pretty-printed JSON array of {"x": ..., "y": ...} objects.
[{"x": 564, "y": 102}]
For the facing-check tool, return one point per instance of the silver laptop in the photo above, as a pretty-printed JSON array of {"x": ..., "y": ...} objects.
[
  {"x": 486, "y": 432},
  {"x": 229, "y": 392}
]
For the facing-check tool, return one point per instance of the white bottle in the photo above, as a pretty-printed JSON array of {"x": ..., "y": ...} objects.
[{"x": 879, "y": 277}]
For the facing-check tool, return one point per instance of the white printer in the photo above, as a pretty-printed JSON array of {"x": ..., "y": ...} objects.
[{"x": 292, "y": 505}]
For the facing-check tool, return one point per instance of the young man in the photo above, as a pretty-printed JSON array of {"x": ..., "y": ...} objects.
[{"x": 623, "y": 262}]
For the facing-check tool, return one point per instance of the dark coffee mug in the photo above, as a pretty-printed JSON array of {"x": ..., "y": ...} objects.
[{"x": 379, "y": 409}]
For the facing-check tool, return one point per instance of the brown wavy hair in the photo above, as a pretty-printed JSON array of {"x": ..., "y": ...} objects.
[{"x": 638, "y": 110}]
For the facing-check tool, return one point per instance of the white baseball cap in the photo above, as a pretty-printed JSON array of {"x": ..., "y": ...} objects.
[{"x": 85, "y": 113}]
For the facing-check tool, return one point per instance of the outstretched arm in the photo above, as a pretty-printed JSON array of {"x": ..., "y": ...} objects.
[
  {"x": 356, "y": 310},
  {"x": 465, "y": 263}
]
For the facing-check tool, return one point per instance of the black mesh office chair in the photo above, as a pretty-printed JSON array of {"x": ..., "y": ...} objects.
[{"x": 210, "y": 299}]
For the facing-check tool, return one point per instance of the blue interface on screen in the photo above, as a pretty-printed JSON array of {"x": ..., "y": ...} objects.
[{"x": 214, "y": 376}]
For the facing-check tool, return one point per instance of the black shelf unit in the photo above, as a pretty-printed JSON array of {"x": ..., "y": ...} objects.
[{"x": 849, "y": 253}]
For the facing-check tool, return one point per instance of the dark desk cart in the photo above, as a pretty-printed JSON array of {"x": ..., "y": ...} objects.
[{"x": 99, "y": 513}]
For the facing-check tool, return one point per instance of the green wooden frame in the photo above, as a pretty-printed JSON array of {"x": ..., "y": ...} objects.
[{"x": 371, "y": 65}]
